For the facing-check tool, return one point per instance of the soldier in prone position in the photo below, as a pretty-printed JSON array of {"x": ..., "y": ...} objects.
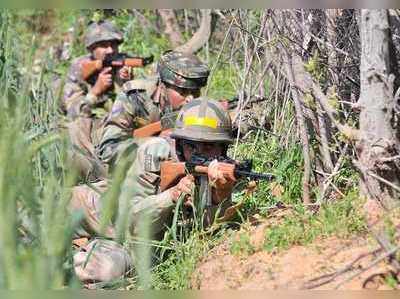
[
  {"x": 86, "y": 102},
  {"x": 203, "y": 128},
  {"x": 180, "y": 78}
]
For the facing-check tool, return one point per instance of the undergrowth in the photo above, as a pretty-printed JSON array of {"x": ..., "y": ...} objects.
[
  {"x": 176, "y": 271},
  {"x": 341, "y": 218},
  {"x": 269, "y": 156}
]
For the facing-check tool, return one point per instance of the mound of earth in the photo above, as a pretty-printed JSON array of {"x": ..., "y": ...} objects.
[{"x": 294, "y": 268}]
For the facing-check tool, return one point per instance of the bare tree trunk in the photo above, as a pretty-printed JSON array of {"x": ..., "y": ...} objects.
[
  {"x": 378, "y": 142},
  {"x": 331, "y": 36},
  {"x": 201, "y": 36},
  {"x": 171, "y": 27},
  {"x": 290, "y": 66}
]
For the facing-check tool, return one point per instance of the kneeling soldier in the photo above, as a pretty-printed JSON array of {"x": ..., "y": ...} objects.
[
  {"x": 202, "y": 129},
  {"x": 180, "y": 78}
]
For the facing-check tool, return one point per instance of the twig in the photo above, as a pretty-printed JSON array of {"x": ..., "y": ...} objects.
[
  {"x": 377, "y": 261},
  {"x": 335, "y": 172},
  {"x": 384, "y": 242},
  {"x": 332, "y": 276},
  {"x": 327, "y": 44},
  {"x": 389, "y": 159},
  {"x": 381, "y": 179}
]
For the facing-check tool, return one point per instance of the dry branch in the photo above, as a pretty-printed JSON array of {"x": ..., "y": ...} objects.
[
  {"x": 301, "y": 125},
  {"x": 374, "y": 263},
  {"x": 171, "y": 27},
  {"x": 201, "y": 36},
  {"x": 330, "y": 277}
]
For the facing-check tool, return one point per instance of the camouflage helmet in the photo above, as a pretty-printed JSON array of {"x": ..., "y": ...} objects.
[
  {"x": 102, "y": 31},
  {"x": 182, "y": 70},
  {"x": 203, "y": 120}
]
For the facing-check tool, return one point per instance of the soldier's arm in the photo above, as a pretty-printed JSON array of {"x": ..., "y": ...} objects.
[
  {"x": 132, "y": 109},
  {"x": 117, "y": 134},
  {"x": 140, "y": 197}
]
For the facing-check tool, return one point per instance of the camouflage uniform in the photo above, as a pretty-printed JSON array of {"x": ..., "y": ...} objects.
[
  {"x": 140, "y": 191},
  {"x": 85, "y": 112},
  {"x": 99, "y": 258},
  {"x": 139, "y": 102}
]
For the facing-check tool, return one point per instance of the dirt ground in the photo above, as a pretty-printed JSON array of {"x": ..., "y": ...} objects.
[{"x": 290, "y": 269}]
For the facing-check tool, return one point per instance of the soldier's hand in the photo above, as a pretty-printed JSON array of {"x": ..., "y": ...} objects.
[
  {"x": 221, "y": 176},
  {"x": 103, "y": 83},
  {"x": 221, "y": 173},
  {"x": 185, "y": 186},
  {"x": 125, "y": 73}
]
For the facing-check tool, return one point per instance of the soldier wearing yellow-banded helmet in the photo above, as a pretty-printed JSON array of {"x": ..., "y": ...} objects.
[
  {"x": 203, "y": 121},
  {"x": 203, "y": 127}
]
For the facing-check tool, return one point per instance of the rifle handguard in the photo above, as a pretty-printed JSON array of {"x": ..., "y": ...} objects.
[{"x": 138, "y": 61}]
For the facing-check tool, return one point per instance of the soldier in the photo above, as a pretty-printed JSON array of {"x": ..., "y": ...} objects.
[
  {"x": 87, "y": 102},
  {"x": 202, "y": 127},
  {"x": 143, "y": 101}
]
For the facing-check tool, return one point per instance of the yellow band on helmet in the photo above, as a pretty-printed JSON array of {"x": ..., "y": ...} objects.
[{"x": 200, "y": 121}]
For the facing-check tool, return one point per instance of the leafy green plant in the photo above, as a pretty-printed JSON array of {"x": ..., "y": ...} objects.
[{"x": 241, "y": 245}]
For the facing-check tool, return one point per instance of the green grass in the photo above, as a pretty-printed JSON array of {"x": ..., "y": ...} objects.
[
  {"x": 175, "y": 272},
  {"x": 240, "y": 245},
  {"x": 284, "y": 163},
  {"x": 342, "y": 218},
  {"x": 222, "y": 83},
  {"x": 34, "y": 187}
]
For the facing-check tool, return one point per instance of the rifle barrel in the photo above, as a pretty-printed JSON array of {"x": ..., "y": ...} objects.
[{"x": 254, "y": 175}]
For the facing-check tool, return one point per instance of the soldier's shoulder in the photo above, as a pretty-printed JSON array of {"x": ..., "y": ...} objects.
[
  {"x": 152, "y": 151},
  {"x": 75, "y": 68},
  {"x": 147, "y": 85},
  {"x": 78, "y": 60}
]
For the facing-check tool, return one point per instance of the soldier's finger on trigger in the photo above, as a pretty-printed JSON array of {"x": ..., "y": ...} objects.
[
  {"x": 184, "y": 185},
  {"x": 189, "y": 183}
]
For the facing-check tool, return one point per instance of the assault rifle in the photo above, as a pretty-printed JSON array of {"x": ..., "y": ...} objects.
[
  {"x": 172, "y": 172},
  {"x": 91, "y": 67}
]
